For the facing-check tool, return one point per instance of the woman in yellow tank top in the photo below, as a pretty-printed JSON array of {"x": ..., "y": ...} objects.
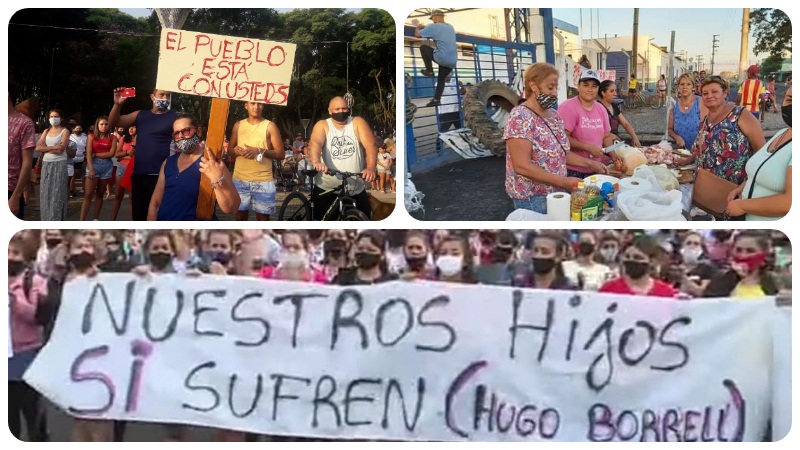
[{"x": 749, "y": 276}]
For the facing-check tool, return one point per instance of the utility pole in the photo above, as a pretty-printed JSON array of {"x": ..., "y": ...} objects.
[
  {"x": 714, "y": 47},
  {"x": 671, "y": 70},
  {"x": 635, "y": 51},
  {"x": 743, "y": 49},
  {"x": 699, "y": 62}
]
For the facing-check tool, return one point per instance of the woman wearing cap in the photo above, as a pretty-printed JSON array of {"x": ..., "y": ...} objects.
[
  {"x": 537, "y": 147},
  {"x": 728, "y": 134},
  {"x": 587, "y": 126}
]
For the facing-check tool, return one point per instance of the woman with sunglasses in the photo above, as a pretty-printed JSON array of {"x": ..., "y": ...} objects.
[
  {"x": 178, "y": 186},
  {"x": 638, "y": 262},
  {"x": 749, "y": 276},
  {"x": 728, "y": 135}
]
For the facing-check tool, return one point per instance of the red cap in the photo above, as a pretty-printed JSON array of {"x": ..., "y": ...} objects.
[{"x": 753, "y": 70}]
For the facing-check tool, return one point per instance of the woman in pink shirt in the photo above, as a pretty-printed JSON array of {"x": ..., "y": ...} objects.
[
  {"x": 294, "y": 261},
  {"x": 25, "y": 290}
]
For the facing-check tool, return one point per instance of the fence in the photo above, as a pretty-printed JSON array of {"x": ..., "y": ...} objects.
[{"x": 479, "y": 59}]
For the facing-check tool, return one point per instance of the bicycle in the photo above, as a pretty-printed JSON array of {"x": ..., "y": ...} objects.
[{"x": 296, "y": 207}]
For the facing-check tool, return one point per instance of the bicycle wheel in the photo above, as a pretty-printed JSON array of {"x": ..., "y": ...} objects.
[
  {"x": 295, "y": 207},
  {"x": 353, "y": 214},
  {"x": 655, "y": 101}
]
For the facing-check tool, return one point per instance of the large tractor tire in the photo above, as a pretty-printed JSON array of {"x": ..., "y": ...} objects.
[{"x": 477, "y": 116}]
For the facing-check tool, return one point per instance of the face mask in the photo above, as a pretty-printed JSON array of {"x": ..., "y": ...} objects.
[
  {"x": 585, "y": 248},
  {"x": 786, "y": 113},
  {"x": 81, "y": 261},
  {"x": 546, "y": 101},
  {"x": 188, "y": 145},
  {"x": 340, "y": 116},
  {"x": 416, "y": 263},
  {"x": 160, "y": 260},
  {"x": 161, "y": 104},
  {"x": 636, "y": 269},
  {"x": 55, "y": 121},
  {"x": 542, "y": 266},
  {"x": 15, "y": 268},
  {"x": 449, "y": 265},
  {"x": 753, "y": 262},
  {"x": 334, "y": 246},
  {"x": 691, "y": 255},
  {"x": 293, "y": 260},
  {"x": 221, "y": 257},
  {"x": 52, "y": 243},
  {"x": 501, "y": 255},
  {"x": 367, "y": 260},
  {"x": 608, "y": 254}
]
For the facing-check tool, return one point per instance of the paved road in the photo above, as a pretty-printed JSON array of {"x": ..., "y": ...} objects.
[
  {"x": 74, "y": 208},
  {"x": 473, "y": 189}
]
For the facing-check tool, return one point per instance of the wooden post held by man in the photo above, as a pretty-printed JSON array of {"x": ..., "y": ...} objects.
[{"x": 215, "y": 138}]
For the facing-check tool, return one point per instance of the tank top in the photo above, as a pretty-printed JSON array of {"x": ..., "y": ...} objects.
[
  {"x": 341, "y": 152},
  {"x": 100, "y": 146},
  {"x": 251, "y": 170},
  {"x": 687, "y": 124},
  {"x": 153, "y": 140},
  {"x": 180, "y": 190},
  {"x": 52, "y": 142}
]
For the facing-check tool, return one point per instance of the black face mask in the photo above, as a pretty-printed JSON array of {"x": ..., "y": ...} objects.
[
  {"x": 160, "y": 260},
  {"x": 636, "y": 269},
  {"x": 53, "y": 242},
  {"x": 367, "y": 260},
  {"x": 221, "y": 257},
  {"x": 542, "y": 266},
  {"x": 81, "y": 261},
  {"x": 786, "y": 113},
  {"x": 501, "y": 255},
  {"x": 585, "y": 248},
  {"x": 334, "y": 246},
  {"x": 340, "y": 116},
  {"x": 15, "y": 268},
  {"x": 416, "y": 263}
]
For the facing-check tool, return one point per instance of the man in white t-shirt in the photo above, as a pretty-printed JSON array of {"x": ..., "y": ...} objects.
[{"x": 345, "y": 144}]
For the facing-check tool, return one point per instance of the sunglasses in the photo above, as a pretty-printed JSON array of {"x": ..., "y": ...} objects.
[
  {"x": 184, "y": 132},
  {"x": 716, "y": 79}
]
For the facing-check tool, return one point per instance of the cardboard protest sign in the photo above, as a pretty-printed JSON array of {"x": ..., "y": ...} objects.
[
  {"x": 604, "y": 75},
  {"x": 409, "y": 361},
  {"x": 225, "y": 67},
  {"x": 782, "y": 375}
]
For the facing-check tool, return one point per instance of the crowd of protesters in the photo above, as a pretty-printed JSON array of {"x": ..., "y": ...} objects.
[
  {"x": 157, "y": 156},
  {"x": 681, "y": 265}
]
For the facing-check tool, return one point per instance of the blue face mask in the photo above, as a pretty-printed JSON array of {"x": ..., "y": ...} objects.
[{"x": 162, "y": 104}]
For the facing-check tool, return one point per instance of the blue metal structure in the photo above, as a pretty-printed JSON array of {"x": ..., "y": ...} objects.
[{"x": 479, "y": 59}]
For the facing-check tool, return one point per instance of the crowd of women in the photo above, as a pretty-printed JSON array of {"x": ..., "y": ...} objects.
[
  {"x": 550, "y": 147},
  {"x": 680, "y": 265}
]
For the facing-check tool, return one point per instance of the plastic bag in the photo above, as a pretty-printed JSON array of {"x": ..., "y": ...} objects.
[
  {"x": 638, "y": 205},
  {"x": 413, "y": 198},
  {"x": 632, "y": 157},
  {"x": 647, "y": 173},
  {"x": 666, "y": 179},
  {"x": 525, "y": 215}
]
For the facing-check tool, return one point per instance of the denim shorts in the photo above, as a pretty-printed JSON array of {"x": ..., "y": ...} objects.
[
  {"x": 102, "y": 168},
  {"x": 537, "y": 203}
]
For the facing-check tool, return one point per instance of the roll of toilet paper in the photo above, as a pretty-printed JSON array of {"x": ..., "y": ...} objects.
[
  {"x": 558, "y": 204},
  {"x": 634, "y": 184}
]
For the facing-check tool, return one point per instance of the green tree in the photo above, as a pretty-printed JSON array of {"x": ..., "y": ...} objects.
[
  {"x": 771, "y": 64},
  {"x": 772, "y": 30}
]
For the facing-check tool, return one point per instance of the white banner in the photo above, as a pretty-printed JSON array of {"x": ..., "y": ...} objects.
[
  {"x": 409, "y": 361},
  {"x": 782, "y": 375}
]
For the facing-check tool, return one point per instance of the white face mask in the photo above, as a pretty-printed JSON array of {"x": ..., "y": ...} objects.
[
  {"x": 691, "y": 255},
  {"x": 608, "y": 254},
  {"x": 55, "y": 121},
  {"x": 450, "y": 265},
  {"x": 293, "y": 260}
]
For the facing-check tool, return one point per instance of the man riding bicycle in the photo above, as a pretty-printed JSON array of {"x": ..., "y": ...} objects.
[{"x": 345, "y": 144}]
